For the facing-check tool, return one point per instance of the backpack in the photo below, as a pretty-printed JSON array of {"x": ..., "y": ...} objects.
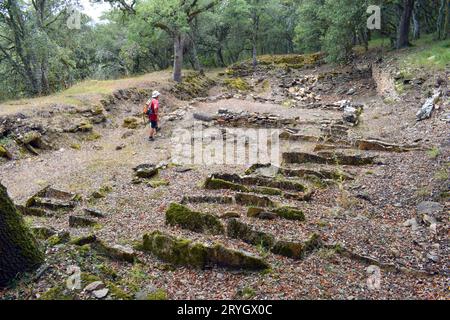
[{"x": 148, "y": 110}]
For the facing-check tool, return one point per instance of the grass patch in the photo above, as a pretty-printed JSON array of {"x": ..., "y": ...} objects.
[
  {"x": 441, "y": 175},
  {"x": 433, "y": 153},
  {"x": 429, "y": 54}
]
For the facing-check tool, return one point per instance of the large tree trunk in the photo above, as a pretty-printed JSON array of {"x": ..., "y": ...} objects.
[
  {"x": 255, "y": 39},
  {"x": 19, "y": 251},
  {"x": 178, "y": 57},
  {"x": 220, "y": 57},
  {"x": 416, "y": 21},
  {"x": 405, "y": 21},
  {"x": 196, "y": 60}
]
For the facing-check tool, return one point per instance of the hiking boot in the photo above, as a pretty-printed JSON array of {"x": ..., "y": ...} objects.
[{"x": 151, "y": 139}]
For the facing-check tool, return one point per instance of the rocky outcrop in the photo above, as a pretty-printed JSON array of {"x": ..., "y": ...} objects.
[
  {"x": 287, "y": 213},
  {"x": 185, "y": 252},
  {"x": 182, "y": 216},
  {"x": 217, "y": 184},
  {"x": 290, "y": 249},
  {"x": 378, "y": 145},
  {"x": 428, "y": 107},
  {"x": 246, "y": 199},
  {"x": 146, "y": 171},
  {"x": 115, "y": 251},
  {"x": 207, "y": 199},
  {"x": 261, "y": 181},
  {"x": 81, "y": 222},
  {"x": 326, "y": 157},
  {"x": 193, "y": 85},
  {"x": 52, "y": 199}
]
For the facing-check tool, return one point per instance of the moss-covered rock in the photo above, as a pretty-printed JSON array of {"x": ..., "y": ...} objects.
[
  {"x": 157, "y": 183},
  {"x": 299, "y": 196},
  {"x": 115, "y": 251},
  {"x": 59, "y": 292},
  {"x": 244, "y": 232},
  {"x": 42, "y": 232},
  {"x": 188, "y": 253},
  {"x": 230, "y": 215},
  {"x": 217, "y": 184},
  {"x": 175, "y": 250},
  {"x": 247, "y": 199},
  {"x": 253, "y": 212},
  {"x": 130, "y": 123},
  {"x": 182, "y": 216},
  {"x": 297, "y": 250},
  {"x": 261, "y": 184},
  {"x": 84, "y": 126},
  {"x": 4, "y": 153},
  {"x": 235, "y": 260},
  {"x": 116, "y": 292},
  {"x": 53, "y": 199},
  {"x": 290, "y": 213},
  {"x": 207, "y": 199},
  {"x": 239, "y": 84},
  {"x": 36, "y": 212},
  {"x": 83, "y": 240},
  {"x": 59, "y": 238},
  {"x": 146, "y": 171},
  {"x": 267, "y": 191},
  {"x": 81, "y": 222},
  {"x": 194, "y": 85}
]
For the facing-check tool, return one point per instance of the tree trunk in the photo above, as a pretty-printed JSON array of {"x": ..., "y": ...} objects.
[
  {"x": 405, "y": 21},
  {"x": 220, "y": 57},
  {"x": 178, "y": 57},
  {"x": 19, "y": 251},
  {"x": 442, "y": 21},
  {"x": 255, "y": 39},
  {"x": 446, "y": 18},
  {"x": 196, "y": 60},
  {"x": 416, "y": 24}
]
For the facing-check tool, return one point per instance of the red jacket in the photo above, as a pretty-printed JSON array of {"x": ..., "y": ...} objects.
[{"x": 154, "y": 107}]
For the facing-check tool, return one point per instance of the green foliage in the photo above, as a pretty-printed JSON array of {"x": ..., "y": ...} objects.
[
  {"x": 431, "y": 55},
  {"x": 43, "y": 55}
]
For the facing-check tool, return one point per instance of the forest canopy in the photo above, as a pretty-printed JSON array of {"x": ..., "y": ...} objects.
[{"x": 40, "y": 54}]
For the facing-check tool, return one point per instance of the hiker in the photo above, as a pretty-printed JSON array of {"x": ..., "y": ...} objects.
[{"x": 151, "y": 110}]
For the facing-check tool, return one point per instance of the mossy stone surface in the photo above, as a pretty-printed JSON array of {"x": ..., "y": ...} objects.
[
  {"x": 194, "y": 85},
  {"x": 218, "y": 184},
  {"x": 182, "y": 216},
  {"x": 297, "y": 250},
  {"x": 185, "y": 252},
  {"x": 290, "y": 213},
  {"x": 247, "y": 199},
  {"x": 174, "y": 250},
  {"x": 239, "y": 84},
  {"x": 244, "y": 232}
]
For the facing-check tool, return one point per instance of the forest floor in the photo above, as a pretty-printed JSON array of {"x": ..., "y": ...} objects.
[{"x": 388, "y": 221}]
